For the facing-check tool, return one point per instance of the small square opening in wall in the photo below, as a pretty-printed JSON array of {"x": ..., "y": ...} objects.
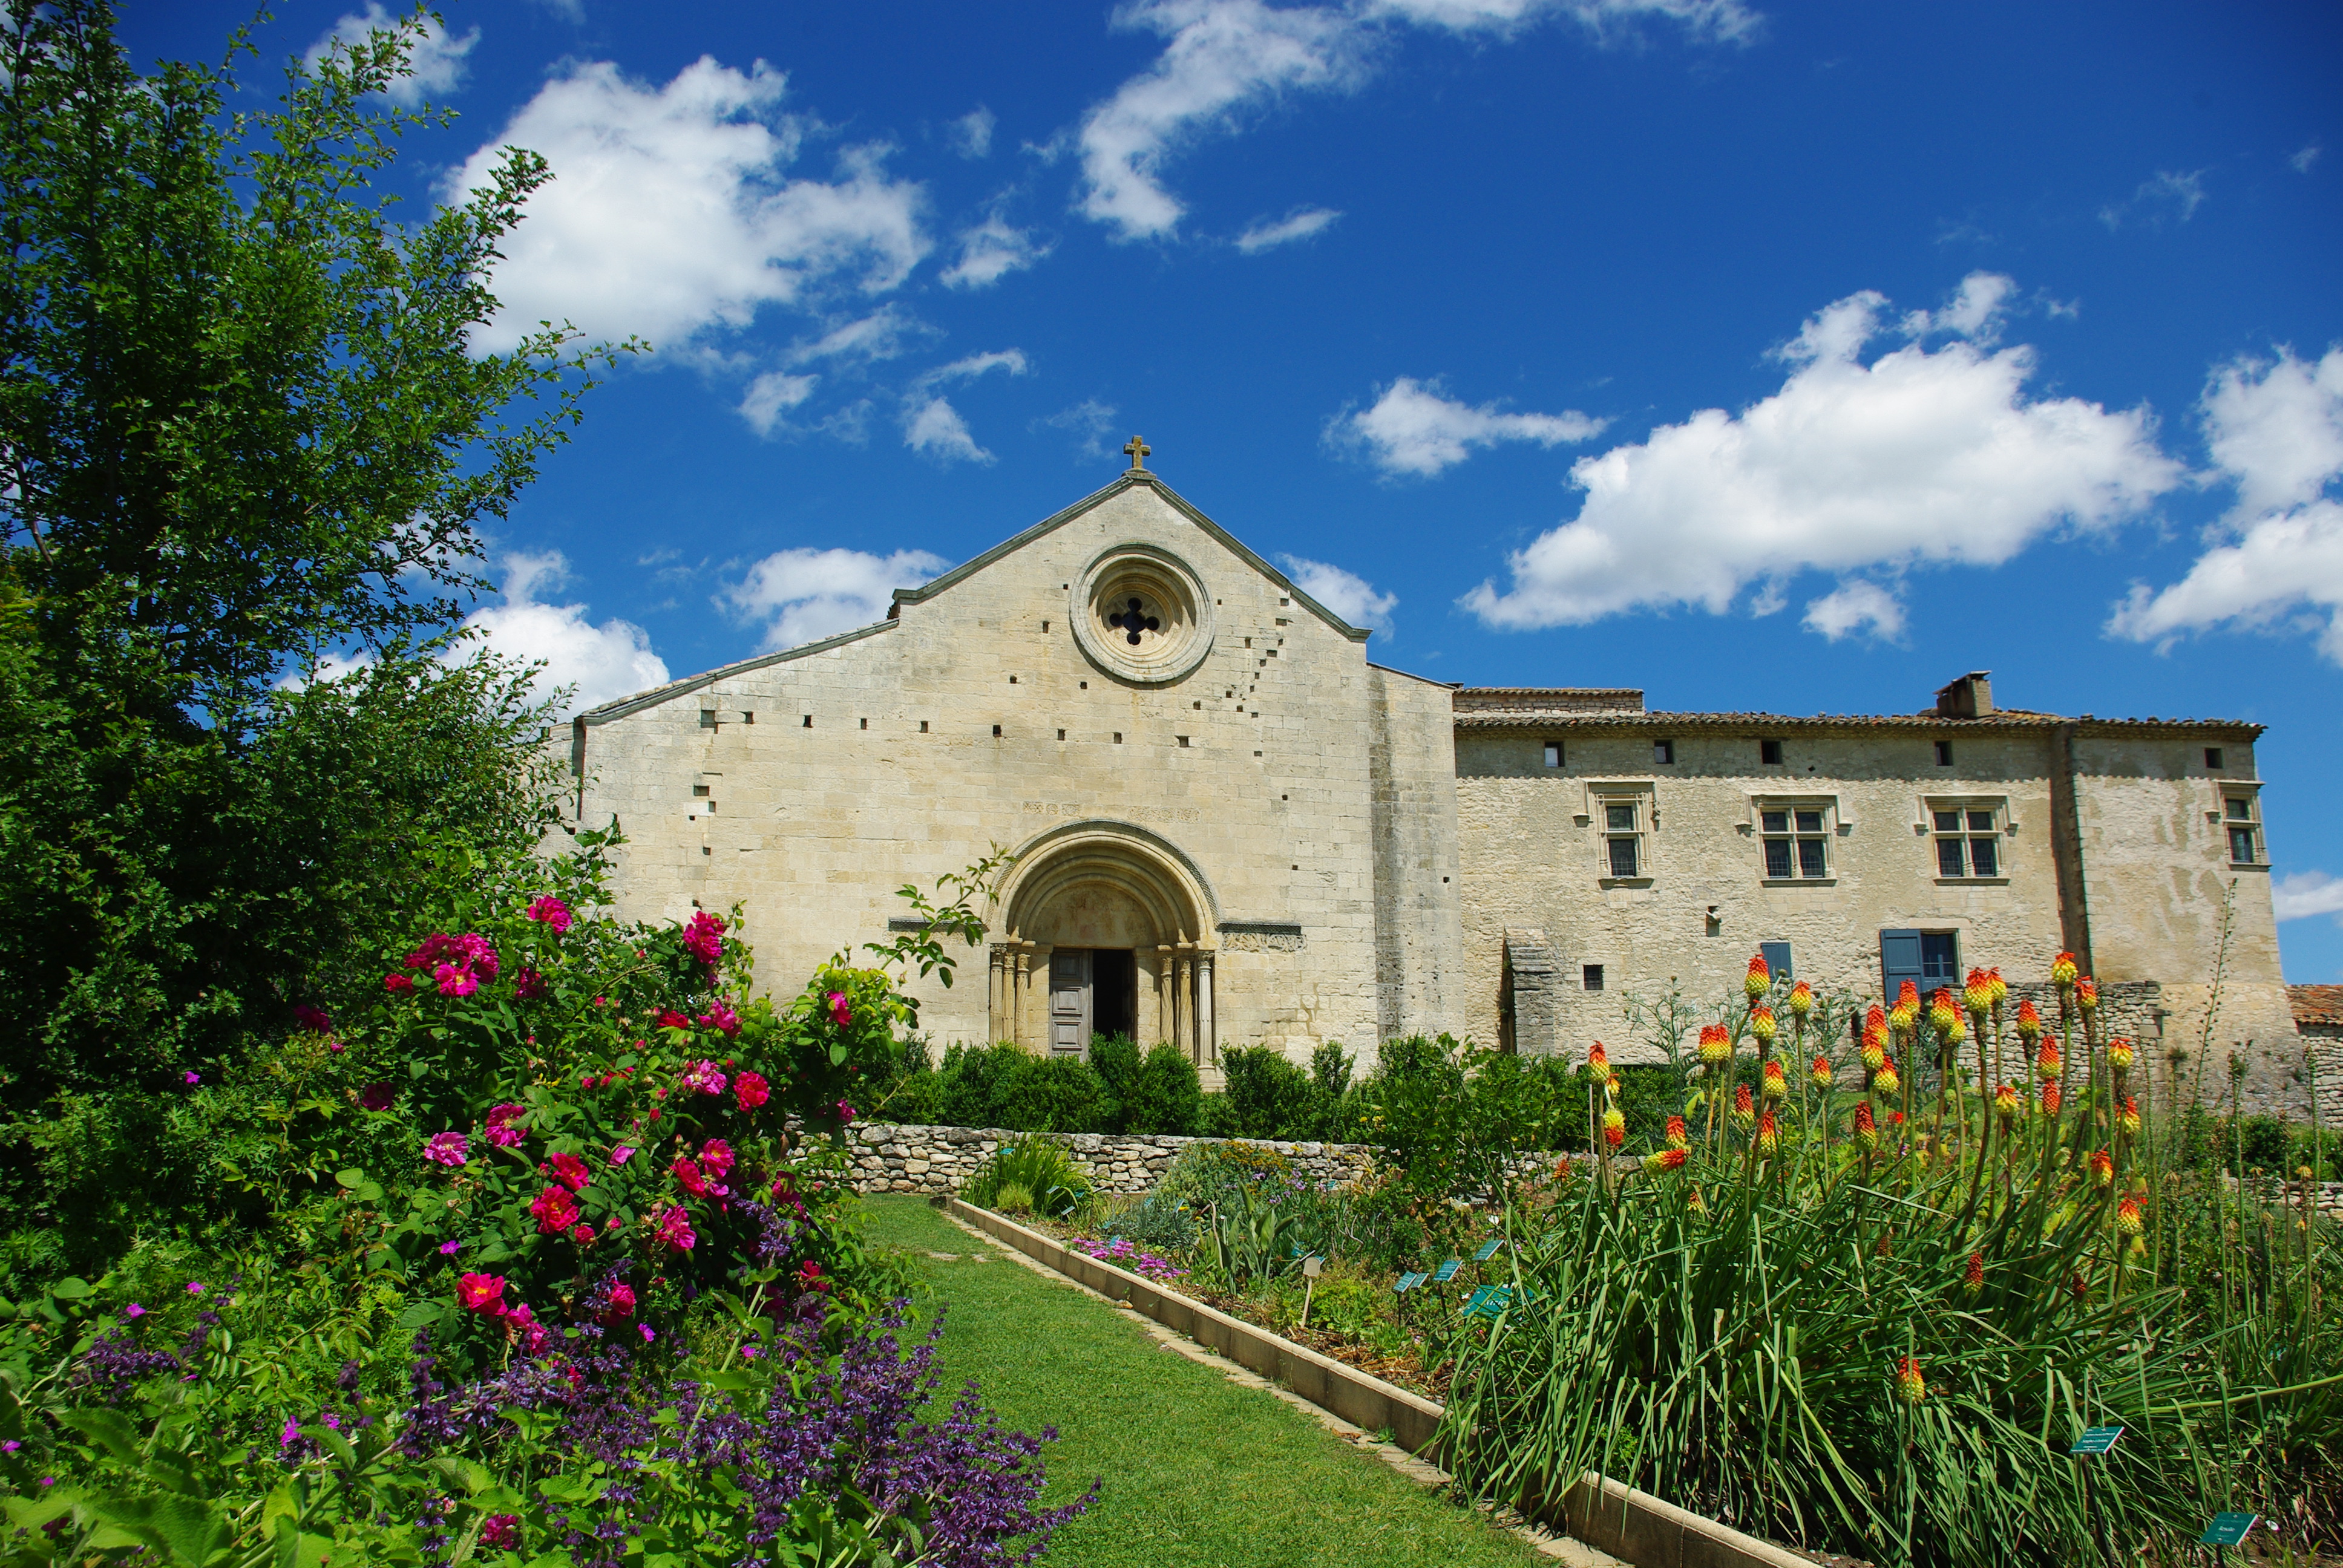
[
  {"x": 809, "y": 721},
  {"x": 1943, "y": 754},
  {"x": 1061, "y": 734},
  {"x": 700, "y": 791},
  {"x": 1590, "y": 976},
  {"x": 1553, "y": 753},
  {"x": 1769, "y": 753},
  {"x": 923, "y": 727},
  {"x": 748, "y": 716},
  {"x": 2212, "y": 756},
  {"x": 866, "y": 724},
  {"x": 705, "y": 850},
  {"x": 1663, "y": 753},
  {"x": 996, "y": 732},
  {"x": 1182, "y": 739},
  {"x": 1117, "y": 738},
  {"x": 1012, "y": 681}
]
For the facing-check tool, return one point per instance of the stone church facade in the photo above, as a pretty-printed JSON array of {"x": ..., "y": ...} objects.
[{"x": 1229, "y": 827}]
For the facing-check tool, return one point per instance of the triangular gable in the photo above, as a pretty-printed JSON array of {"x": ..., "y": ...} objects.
[{"x": 1235, "y": 547}]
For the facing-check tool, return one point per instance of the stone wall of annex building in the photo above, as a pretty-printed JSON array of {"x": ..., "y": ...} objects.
[
  {"x": 1532, "y": 857},
  {"x": 1419, "y": 952},
  {"x": 809, "y": 785},
  {"x": 2157, "y": 873}
]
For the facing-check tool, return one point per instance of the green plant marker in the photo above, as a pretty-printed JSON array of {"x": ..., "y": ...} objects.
[
  {"x": 2096, "y": 1440},
  {"x": 1488, "y": 1250},
  {"x": 1487, "y": 1302},
  {"x": 2228, "y": 1529},
  {"x": 1447, "y": 1271}
]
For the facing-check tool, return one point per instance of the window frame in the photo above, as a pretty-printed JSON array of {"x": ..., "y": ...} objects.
[
  {"x": 2249, "y": 823},
  {"x": 1663, "y": 753},
  {"x": 1641, "y": 797},
  {"x": 1966, "y": 807},
  {"x": 1798, "y": 837},
  {"x": 1553, "y": 753},
  {"x": 1770, "y": 753}
]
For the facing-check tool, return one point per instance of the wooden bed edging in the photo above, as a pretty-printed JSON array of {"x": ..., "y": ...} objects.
[{"x": 1605, "y": 1514}]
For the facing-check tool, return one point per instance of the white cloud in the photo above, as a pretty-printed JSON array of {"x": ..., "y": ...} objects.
[
  {"x": 1347, "y": 595},
  {"x": 1974, "y": 313},
  {"x": 884, "y": 334},
  {"x": 771, "y": 396},
  {"x": 1090, "y": 420},
  {"x": 1853, "y": 605},
  {"x": 2165, "y": 195},
  {"x": 2300, "y": 163},
  {"x": 990, "y": 252},
  {"x": 2300, "y": 895},
  {"x": 2275, "y": 428},
  {"x": 1221, "y": 58},
  {"x": 932, "y": 426},
  {"x": 1266, "y": 235},
  {"x": 1226, "y": 60},
  {"x": 1921, "y": 456},
  {"x": 806, "y": 595},
  {"x": 1009, "y": 360},
  {"x": 1413, "y": 428},
  {"x": 970, "y": 136},
  {"x": 436, "y": 62},
  {"x": 670, "y": 213}
]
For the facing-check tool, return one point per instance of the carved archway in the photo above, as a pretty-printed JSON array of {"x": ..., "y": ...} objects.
[{"x": 1106, "y": 886}]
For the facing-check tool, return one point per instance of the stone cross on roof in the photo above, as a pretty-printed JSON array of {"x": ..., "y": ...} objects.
[{"x": 1138, "y": 451}]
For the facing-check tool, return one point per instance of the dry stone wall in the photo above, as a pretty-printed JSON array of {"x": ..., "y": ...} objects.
[{"x": 890, "y": 1158}]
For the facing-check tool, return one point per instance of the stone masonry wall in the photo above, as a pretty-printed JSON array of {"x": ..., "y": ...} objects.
[{"x": 890, "y": 1158}]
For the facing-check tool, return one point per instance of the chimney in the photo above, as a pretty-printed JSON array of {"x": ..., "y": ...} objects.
[{"x": 1970, "y": 697}]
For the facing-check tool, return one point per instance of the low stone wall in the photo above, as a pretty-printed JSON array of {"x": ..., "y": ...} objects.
[{"x": 896, "y": 1158}]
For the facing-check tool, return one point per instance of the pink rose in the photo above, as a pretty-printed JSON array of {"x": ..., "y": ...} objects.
[
  {"x": 501, "y": 1128},
  {"x": 528, "y": 985},
  {"x": 482, "y": 1293},
  {"x": 571, "y": 1171},
  {"x": 583, "y": 1235},
  {"x": 687, "y": 1173},
  {"x": 556, "y": 1211},
  {"x": 621, "y": 1154},
  {"x": 720, "y": 1016},
  {"x": 621, "y": 1303},
  {"x": 376, "y": 1096},
  {"x": 449, "y": 1148},
  {"x": 838, "y": 1010},
  {"x": 398, "y": 985},
  {"x": 752, "y": 1090},
  {"x": 715, "y": 1157},
  {"x": 454, "y": 982},
  {"x": 550, "y": 911},
  {"x": 674, "y": 1229},
  {"x": 313, "y": 1019},
  {"x": 705, "y": 1077}
]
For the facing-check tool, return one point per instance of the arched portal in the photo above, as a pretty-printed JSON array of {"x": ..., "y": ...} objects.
[{"x": 1104, "y": 927}]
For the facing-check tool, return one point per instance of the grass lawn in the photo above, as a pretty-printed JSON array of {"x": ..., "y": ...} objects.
[{"x": 1198, "y": 1470}]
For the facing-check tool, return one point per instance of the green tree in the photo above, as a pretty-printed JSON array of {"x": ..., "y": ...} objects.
[{"x": 241, "y": 429}]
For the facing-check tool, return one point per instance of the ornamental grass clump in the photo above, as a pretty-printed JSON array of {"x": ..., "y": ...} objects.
[{"x": 1840, "y": 1325}]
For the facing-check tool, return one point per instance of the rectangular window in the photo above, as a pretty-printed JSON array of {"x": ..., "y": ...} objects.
[
  {"x": 1769, "y": 752},
  {"x": 2212, "y": 756},
  {"x": 1940, "y": 959},
  {"x": 1591, "y": 975},
  {"x": 1553, "y": 753},
  {"x": 1943, "y": 754},
  {"x": 2241, "y": 816},
  {"x": 1663, "y": 753},
  {"x": 1777, "y": 961},
  {"x": 1968, "y": 838},
  {"x": 1623, "y": 836},
  {"x": 1796, "y": 841}
]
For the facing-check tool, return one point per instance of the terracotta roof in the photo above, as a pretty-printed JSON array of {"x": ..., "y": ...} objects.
[
  {"x": 1550, "y": 698},
  {"x": 1520, "y": 710},
  {"x": 2316, "y": 1004}
]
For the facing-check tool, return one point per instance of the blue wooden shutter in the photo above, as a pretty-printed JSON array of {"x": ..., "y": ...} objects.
[
  {"x": 1899, "y": 960},
  {"x": 1777, "y": 960}
]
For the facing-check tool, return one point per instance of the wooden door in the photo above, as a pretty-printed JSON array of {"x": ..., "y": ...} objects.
[{"x": 1070, "y": 1003}]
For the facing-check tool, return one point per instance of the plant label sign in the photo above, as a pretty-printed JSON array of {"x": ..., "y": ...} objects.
[
  {"x": 2096, "y": 1440},
  {"x": 1311, "y": 1265},
  {"x": 2228, "y": 1529},
  {"x": 1487, "y": 1302},
  {"x": 1488, "y": 1250},
  {"x": 1447, "y": 1271},
  {"x": 1406, "y": 1283}
]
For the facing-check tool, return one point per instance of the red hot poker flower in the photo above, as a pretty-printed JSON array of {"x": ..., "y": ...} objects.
[
  {"x": 1759, "y": 979},
  {"x": 1664, "y": 1159},
  {"x": 1676, "y": 1135},
  {"x": 1911, "y": 1386}
]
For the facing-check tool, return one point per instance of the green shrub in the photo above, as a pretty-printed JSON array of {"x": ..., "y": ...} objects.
[
  {"x": 1268, "y": 1095},
  {"x": 1052, "y": 1183},
  {"x": 1216, "y": 1117},
  {"x": 1116, "y": 1059},
  {"x": 1013, "y": 1197},
  {"x": 1054, "y": 1094},
  {"x": 1165, "y": 1097}
]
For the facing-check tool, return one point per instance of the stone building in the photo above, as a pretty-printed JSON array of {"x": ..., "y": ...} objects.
[{"x": 1231, "y": 827}]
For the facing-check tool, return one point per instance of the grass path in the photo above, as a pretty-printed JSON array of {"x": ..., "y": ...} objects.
[{"x": 1199, "y": 1473}]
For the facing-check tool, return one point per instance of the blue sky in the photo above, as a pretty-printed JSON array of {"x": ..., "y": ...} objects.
[{"x": 1762, "y": 356}]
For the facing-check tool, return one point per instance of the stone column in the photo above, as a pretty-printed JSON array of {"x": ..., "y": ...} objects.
[
  {"x": 1020, "y": 982},
  {"x": 1183, "y": 999},
  {"x": 1164, "y": 1028},
  {"x": 1208, "y": 1043},
  {"x": 995, "y": 985},
  {"x": 1033, "y": 1017}
]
